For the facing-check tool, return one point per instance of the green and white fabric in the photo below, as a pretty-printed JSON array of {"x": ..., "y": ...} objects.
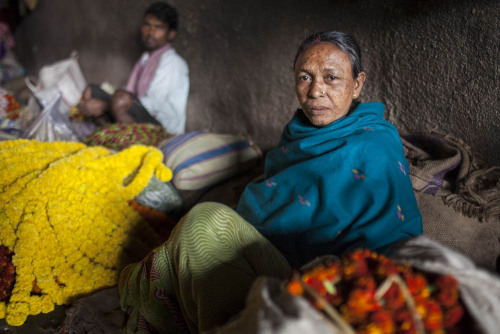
[{"x": 199, "y": 278}]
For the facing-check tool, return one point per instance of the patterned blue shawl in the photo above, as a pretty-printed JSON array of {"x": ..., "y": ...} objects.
[{"x": 334, "y": 188}]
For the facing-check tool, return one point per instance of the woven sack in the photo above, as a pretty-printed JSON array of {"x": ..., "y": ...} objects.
[
  {"x": 458, "y": 196},
  {"x": 200, "y": 160},
  {"x": 478, "y": 240}
]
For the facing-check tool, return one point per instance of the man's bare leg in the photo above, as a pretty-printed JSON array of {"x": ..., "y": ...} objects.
[{"x": 121, "y": 101}]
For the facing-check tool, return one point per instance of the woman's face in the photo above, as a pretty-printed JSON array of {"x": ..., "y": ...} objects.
[{"x": 324, "y": 84}]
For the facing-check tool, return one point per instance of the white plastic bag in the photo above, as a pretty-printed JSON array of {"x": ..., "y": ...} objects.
[
  {"x": 65, "y": 77},
  {"x": 52, "y": 124},
  {"x": 62, "y": 80}
]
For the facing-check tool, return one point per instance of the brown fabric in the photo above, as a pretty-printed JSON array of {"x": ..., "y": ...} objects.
[
  {"x": 446, "y": 166},
  {"x": 458, "y": 196},
  {"x": 477, "y": 240}
]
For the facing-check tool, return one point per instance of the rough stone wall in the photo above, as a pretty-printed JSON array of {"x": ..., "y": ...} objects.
[{"x": 435, "y": 64}]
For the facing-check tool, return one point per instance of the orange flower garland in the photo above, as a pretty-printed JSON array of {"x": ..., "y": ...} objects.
[
  {"x": 159, "y": 221},
  {"x": 9, "y": 107},
  {"x": 368, "y": 293}
]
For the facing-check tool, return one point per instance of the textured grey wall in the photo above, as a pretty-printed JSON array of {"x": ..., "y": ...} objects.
[{"x": 433, "y": 63}]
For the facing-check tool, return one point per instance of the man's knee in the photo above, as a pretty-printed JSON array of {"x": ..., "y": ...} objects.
[{"x": 121, "y": 99}]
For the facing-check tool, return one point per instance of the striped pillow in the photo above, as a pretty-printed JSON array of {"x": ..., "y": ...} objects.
[{"x": 202, "y": 159}]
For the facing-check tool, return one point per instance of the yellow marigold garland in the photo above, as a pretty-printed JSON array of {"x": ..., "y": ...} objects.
[{"x": 64, "y": 212}]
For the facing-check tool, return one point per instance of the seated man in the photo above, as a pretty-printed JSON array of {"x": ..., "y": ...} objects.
[{"x": 158, "y": 86}]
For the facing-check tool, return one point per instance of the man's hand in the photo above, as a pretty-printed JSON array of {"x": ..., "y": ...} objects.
[{"x": 93, "y": 107}]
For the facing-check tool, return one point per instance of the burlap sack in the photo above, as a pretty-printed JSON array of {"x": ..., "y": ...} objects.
[{"x": 458, "y": 196}]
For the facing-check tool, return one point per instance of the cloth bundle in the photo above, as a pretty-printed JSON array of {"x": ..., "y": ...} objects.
[
  {"x": 201, "y": 159},
  {"x": 458, "y": 195}
]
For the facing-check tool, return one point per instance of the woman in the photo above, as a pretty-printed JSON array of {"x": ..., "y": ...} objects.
[{"x": 338, "y": 180}]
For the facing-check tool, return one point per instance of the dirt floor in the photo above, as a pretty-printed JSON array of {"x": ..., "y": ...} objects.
[
  {"x": 38, "y": 324},
  {"x": 96, "y": 314}
]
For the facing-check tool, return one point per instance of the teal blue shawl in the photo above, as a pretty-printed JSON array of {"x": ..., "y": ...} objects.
[{"x": 331, "y": 189}]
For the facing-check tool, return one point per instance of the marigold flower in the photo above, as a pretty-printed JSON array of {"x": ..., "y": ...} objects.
[
  {"x": 361, "y": 302},
  {"x": 295, "y": 288},
  {"x": 431, "y": 314},
  {"x": 377, "y": 296},
  {"x": 394, "y": 298},
  {"x": 354, "y": 265},
  {"x": 365, "y": 283},
  {"x": 382, "y": 322},
  {"x": 417, "y": 284},
  {"x": 69, "y": 224},
  {"x": 452, "y": 316}
]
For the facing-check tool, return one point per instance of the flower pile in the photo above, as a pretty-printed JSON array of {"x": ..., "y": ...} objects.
[
  {"x": 118, "y": 136},
  {"x": 368, "y": 293},
  {"x": 9, "y": 107},
  {"x": 64, "y": 214}
]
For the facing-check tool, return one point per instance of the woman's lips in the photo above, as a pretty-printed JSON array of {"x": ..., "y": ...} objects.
[{"x": 319, "y": 110}]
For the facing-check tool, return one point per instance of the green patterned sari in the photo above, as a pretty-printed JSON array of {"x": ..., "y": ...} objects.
[{"x": 199, "y": 278}]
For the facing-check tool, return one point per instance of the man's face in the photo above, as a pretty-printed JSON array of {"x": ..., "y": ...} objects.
[{"x": 155, "y": 33}]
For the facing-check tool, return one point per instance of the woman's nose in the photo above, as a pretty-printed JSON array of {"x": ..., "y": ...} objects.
[{"x": 316, "y": 89}]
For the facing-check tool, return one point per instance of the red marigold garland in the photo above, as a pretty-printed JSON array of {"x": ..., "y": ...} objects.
[
  {"x": 369, "y": 293},
  {"x": 158, "y": 220},
  {"x": 7, "y": 273}
]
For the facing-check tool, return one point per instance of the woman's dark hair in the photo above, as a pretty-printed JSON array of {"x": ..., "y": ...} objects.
[
  {"x": 164, "y": 12},
  {"x": 344, "y": 42}
]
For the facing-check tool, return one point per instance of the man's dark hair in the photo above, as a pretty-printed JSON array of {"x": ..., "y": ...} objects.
[
  {"x": 344, "y": 42},
  {"x": 164, "y": 12}
]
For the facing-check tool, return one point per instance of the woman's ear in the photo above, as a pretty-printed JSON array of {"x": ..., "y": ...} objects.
[{"x": 358, "y": 83}]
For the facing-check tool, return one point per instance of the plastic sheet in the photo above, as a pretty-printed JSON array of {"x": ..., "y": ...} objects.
[
  {"x": 161, "y": 196},
  {"x": 52, "y": 124}
]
